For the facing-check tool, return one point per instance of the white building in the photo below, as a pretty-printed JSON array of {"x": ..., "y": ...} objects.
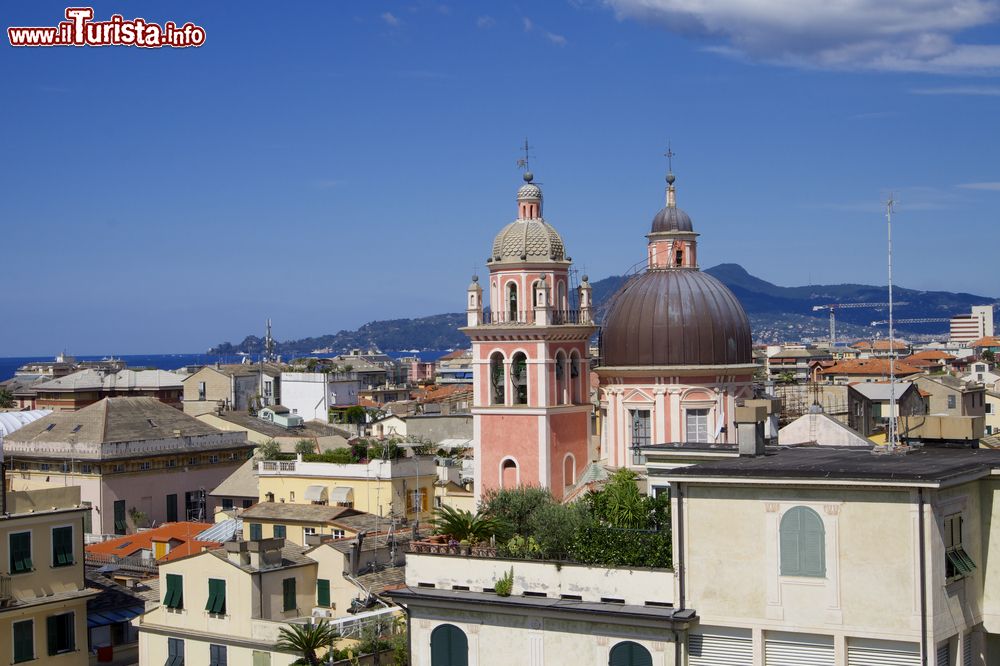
[
  {"x": 312, "y": 394},
  {"x": 977, "y": 324}
]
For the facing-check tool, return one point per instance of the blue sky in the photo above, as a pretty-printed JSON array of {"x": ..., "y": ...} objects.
[{"x": 345, "y": 162}]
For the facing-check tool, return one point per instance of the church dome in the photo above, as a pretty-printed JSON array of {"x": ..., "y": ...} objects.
[
  {"x": 528, "y": 240},
  {"x": 675, "y": 317},
  {"x": 671, "y": 218}
]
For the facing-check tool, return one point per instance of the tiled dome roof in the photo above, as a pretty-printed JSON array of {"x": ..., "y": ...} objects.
[{"x": 528, "y": 240}]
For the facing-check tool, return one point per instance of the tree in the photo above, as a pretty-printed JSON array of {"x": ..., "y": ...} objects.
[
  {"x": 987, "y": 356},
  {"x": 512, "y": 508},
  {"x": 463, "y": 525},
  {"x": 6, "y": 398},
  {"x": 268, "y": 450},
  {"x": 305, "y": 446},
  {"x": 355, "y": 415},
  {"x": 307, "y": 640}
]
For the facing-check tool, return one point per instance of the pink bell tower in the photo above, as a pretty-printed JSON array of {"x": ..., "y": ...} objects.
[{"x": 531, "y": 399}]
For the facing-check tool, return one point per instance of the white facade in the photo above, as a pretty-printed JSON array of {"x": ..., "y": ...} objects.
[
  {"x": 977, "y": 324},
  {"x": 312, "y": 394}
]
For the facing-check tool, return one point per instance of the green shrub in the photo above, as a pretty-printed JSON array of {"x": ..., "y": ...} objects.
[
  {"x": 341, "y": 456},
  {"x": 555, "y": 526},
  {"x": 611, "y": 547},
  {"x": 513, "y": 508},
  {"x": 521, "y": 547},
  {"x": 505, "y": 585}
]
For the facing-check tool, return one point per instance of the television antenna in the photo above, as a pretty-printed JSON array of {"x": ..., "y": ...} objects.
[{"x": 892, "y": 436}]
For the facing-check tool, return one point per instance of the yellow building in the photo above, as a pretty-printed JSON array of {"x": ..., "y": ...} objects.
[
  {"x": 228, "y": 606},
  {"x": 43, "y": 596},
  {"x": 402, "y": 489},
  {"x": 296, "y": 522}
]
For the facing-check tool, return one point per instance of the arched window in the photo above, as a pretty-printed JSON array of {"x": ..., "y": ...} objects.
[
  {"x": 498, "y": 384},
  {"x": 449, "y": 646},
  {"x": 803, "y": 543},
  {"x": 561, "y": 397},
  {"x": 576, "y": 389},
  {"x": 508, "y": 473},
  {"x": 569, "y": 470},
  {"x": 519, "y": 378},
  {"x": 512, "y": 301},
  {"x": 561, "y": 303},
  {"x": 630, "y": 654}
]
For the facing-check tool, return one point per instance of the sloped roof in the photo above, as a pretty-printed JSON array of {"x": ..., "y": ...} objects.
[
  {"x": 987, "y": 341},
  {"x": 880, "y": 390},
  {"x": 868, "y": 366},
  {"x": 115, "y": 420},
  {"x": 184, "y": 532},
  {"x": 312, "y": 513},
  {"x": 243, "y": 482},
  {"x": 123, "y": 380}
]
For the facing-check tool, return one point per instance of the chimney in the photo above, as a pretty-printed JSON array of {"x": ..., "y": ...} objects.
[
  {"x": 356, "y": 553},
  {"x": 265, "y": 553},
  {"x": 238, "y": 553},
  {"x": 750, "y": 430}
]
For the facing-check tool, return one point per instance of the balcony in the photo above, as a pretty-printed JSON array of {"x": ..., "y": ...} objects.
[
  {"x": 477, "y": 570},
  {"x": 6, "y": 591},
  {"x": 535, "y": 317},
  {"x": 373, "y": 470}
]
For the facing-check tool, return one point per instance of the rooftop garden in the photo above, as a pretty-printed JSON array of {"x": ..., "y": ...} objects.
[
  {"x": 614, "y": 527},
  {"x": 360, "y": 451}
]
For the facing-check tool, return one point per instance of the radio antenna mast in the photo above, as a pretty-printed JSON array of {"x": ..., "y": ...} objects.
[{"x": 892, "y": 436}]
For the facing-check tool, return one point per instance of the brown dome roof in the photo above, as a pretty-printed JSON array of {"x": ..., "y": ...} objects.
[
  {"x": 675, "y": 317},
  {"x": 671, "y": 218}
]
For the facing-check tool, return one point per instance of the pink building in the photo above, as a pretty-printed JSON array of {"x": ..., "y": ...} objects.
[
  {"x": 531, "y": 413},
  {"x": 675, "y": 350}
]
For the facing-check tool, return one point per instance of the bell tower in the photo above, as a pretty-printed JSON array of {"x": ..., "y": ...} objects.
[{"x": 531, "y": 399}]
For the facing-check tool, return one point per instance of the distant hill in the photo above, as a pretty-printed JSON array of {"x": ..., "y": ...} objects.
[{"x": 776, "y": 314}]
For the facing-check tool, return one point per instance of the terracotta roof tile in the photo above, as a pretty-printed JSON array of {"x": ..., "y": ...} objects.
[
  {"x": 130, "y": 544},
  {"x": 869, "y": 366}
]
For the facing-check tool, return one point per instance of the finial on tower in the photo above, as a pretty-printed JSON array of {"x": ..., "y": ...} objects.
[
  {"x": 525, "y": 162},
  {"x": 671, "y": 193}
]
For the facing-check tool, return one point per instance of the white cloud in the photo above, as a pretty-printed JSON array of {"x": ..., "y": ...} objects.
[
  {"x": 886, "y": 35},
  {"x": 558, "y": 40},
  {"x": 485, "y": 22},
  {"x": 529, "y": 25},
  {"x": 391, "y": 19},
  {"x": 990, "y": 91},
  {"x": 988, "y": 186}
]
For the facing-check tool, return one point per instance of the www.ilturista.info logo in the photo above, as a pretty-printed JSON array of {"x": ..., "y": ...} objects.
[{"x": 81, "y": 30}]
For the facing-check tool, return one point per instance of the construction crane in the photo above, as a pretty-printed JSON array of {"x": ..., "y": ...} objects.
[
  {"x": 833, "y": 307},
  {"x": 918, "y": 320}
]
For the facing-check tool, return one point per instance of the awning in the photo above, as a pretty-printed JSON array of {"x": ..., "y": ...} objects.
[
  {"x": 342, "y": 494},
  {"x": 316, "y": 493},
  {"x": 106, "y": 617}
]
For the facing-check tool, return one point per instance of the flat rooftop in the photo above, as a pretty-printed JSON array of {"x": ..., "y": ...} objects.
[{"x": 932, "y": 465}]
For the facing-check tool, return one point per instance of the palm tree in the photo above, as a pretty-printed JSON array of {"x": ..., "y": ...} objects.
[
  {"x": 307, "y": 640},
  {"x": 463, "y": 525}
]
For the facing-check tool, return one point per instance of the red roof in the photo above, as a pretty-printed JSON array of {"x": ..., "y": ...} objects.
[
  {"x": 458, "y": 353},
  {"x": 183, "y": 532},
  {"x": 879, "y": 344},
  {"x": 988, "y": 341}
]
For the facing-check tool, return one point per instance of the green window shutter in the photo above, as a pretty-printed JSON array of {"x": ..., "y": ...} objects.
[
  {"x": 213, "y": 594},
  {"x": 449, "y": 646},
  {"x": 279, "y": 531},
  {"x": 288, "y": 590},
  {"x": 172, "y": 508},
  {"x": 802, "y": 541},
  {"x": 255, "y": 532},
  {"x": 62, "y": 546},
  {"x": 24, "y": 641},
  {"x": 121, "y": 526},
  {"x": 174, "y": 597},
  {"x": 20, "y": 552},
  {"x": 220, "y": 601},
  {"x": 630, "y": 654},
  {"x": 261, "y": 658},
  {"x": 323, "y": 592},
  {"x": 52, "y": 633}
]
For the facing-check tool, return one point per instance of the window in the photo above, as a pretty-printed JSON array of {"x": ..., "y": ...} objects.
[
  {"x": 24, "y": 641},
  {"x": 118, "y": 467},
  {"x": 194, "y": 505},
  {"x": 696, "y": 422},
  {"x": 88, "y": 518},
  {"x": 20, "y": 552},
  {"x": 418, "y": 500},
  {"x": 323, "y": 592},
  {"x": 192, "y": 461},
  {"x": 216, "y": 596},
  {"x": 630, "y": 654},
  {"x": 308, "y": 530},
  {"x": 247, "y": 503},
  {"x": 227, "y": 503},
  {"x": 498, "y": 379},
  {"x": 661, "y": 490},
  {"x": 957, "y": 562},
  {"x": 62, "y": 546},
  {"x": 172, "y": 462},
  {"x": 86, "y": 468},
  {"x": 519, "y": 378},
  {"x": 256, "y": 532},
  {"x": 508, "y": 474},
  {"x": 641, "y": 434},
  {"x": 201, "y": 390},
  {"x": 145, "y": 466},
  {"x": 61, "y": 633},
  {"x": 175, "y": 652},
  {"x": 279, "y": 531},
  {"x": 174, "y": 598},
  {"x": 288, "y": 594},
  {"x": 803, "y": 543},
  {"x": 217, "y": 655},
  {"x": 561, "y": 395},
  {"x": 951, "y": 402},
  {"x": 213, "y": 459},
  {"x": 121, "y": 527},
  {"x": 337, "y": 534},
  {"x": 990, "y": 408},
  {"x": 512, "y": 312},
  {"x": 261, "y": 658},
  {"x": 449, "y": 646},
  {"x": 172, "y": 508}
]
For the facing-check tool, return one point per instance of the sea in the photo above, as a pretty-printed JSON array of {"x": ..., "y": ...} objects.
[{"x": 9, "y": 364}]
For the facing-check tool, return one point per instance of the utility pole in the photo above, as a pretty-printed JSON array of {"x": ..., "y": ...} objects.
[{"x": 892, "y": 436}]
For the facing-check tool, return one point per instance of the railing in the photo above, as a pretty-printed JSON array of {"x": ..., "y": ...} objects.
[
  {"x": 6, "y": 595},
  {"x": 128, "y": 562},
  {"x": 277, "y": 466},
  {"x": 531, "y": 317}
]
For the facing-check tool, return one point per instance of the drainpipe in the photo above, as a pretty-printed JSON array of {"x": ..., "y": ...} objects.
[
  {"x": 679, "y": 553},
  {"x": 923, "y": 577}
]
